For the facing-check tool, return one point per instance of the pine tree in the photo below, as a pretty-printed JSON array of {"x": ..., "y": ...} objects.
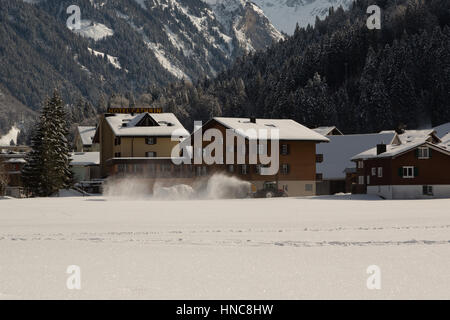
[{"x": 47, "y": 169}]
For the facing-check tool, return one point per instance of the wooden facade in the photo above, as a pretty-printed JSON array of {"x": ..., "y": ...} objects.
[
  {"x": 407, "y": 174},
  {"x": 296, "y": 174}
]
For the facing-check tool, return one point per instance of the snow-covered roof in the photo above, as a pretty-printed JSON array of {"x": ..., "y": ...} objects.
[
  {"x": 125, "y": 125},
  {"x": 85, "y": 158},
  {"x": 396, "y": 150},
  {"x": 288, "y": 129},
  {"x": 338, "y": 153},
  {"x": 445, "y": 142},
  {"x": 442, "y": 130},
  {"x": 326, "y": 130},
  {"x": 16, "y": 160},
  {"x": 86, "y": 134},
  {"x": 415, "y": 135}
]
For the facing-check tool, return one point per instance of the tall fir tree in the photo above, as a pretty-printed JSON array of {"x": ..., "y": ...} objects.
[{"x": 48, "y": 164}]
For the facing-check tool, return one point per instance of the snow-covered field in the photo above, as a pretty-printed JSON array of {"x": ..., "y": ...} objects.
[{"x": 225, "y": 249}]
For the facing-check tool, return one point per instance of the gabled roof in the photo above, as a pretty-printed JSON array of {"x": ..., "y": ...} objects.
[
  {"x": 85, "y": 158},
  {"x": 86, "y": 134},
  {"x": 442, "y": 130},
  {"x": 445, "y": 142},
  {"x": 288, "y": 129},
  {"x": 337, "y": 153},
  {"x": 163, "y": 124},
  {"x": 419, "y": 135},
  {"x": 325, "y": 131},
  {"x": 393, "y": 151}
]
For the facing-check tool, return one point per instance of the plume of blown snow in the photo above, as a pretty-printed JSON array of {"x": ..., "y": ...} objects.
[
  {"x": 218, "y": 186},
  {"x": 177, "y": 192},
  {"x": 127, "y": 188}
]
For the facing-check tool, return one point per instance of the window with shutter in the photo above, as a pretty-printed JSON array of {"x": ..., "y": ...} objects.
[
  {"x": 409, "y": 172},
  {"x": 361, "y": 179},
  {"x": 380, "y": 172}
]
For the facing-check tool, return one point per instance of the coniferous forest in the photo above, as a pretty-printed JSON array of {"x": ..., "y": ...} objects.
[{"x": 338, "y": 73}]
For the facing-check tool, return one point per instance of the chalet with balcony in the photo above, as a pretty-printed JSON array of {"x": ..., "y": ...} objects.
[
  {"x": 139, "y": 144},
  {"x": 296, "y": 171}
]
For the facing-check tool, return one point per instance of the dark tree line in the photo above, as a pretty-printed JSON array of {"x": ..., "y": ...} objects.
[{"x": 338, "y": 73}]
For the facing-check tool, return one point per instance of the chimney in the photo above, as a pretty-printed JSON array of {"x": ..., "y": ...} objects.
[
  {"x": 381, "y": 148},
  {"x": 252, "y": 119}
]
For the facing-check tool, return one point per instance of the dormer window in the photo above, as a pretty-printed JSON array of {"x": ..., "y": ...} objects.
[{"x": 146, "y": 121}]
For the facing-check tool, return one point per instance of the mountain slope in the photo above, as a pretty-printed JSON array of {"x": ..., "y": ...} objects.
[
  {"x": 125, "y": 46},
  {"x": 285, "y": 14},
  {"x": 340, "y": 73}
]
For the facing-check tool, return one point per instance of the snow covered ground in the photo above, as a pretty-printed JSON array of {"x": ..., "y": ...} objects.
[
  {"x": 290, "y": 248},
  {"x": 11, "y": 135}
]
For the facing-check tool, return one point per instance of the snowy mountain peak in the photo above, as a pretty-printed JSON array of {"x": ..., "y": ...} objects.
[{"x": 285, "y": 14}]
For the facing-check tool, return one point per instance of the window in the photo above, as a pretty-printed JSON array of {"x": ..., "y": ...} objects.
[
  {"x": 308, "y": 187},
  {"x": 319, "y": 158},
  {"x": 117, "y": 155},
  {"x": 231, "y": 168},
  {"x": 368, "y": 179},
  {"x": 258, "y": 169},
  {"x": 361, "y": 179},
  {"x": 244, "y": 169},
  {"x": 374, "y": 171},
  {"x": 285, "y": 168},
  {"x": 150, "y": 154},
  {"x": 121, "y": 168},
  {"x": 204, "y": 170},
  {"x": 427, "y": 190},
  {"x": 423, "y": 153},
  {"x": 198, "y": 171},
  {"x": 150, "y": 140},
  {"x": 380, "y": 172},
  {"x": 408, "y": 172},
  {"x": 117, "y": 141},
  {"x": 284, "y": 149},
  {"x": 360, "y": 164}
]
